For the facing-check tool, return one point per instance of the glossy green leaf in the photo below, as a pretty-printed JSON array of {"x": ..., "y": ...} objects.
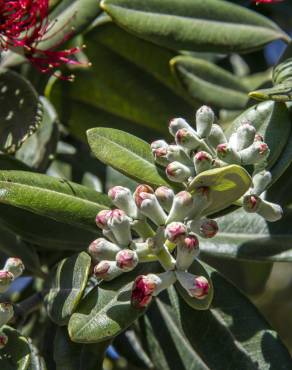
[
  {"x": 272, "y": 121},
  {"x": 67, "y": 283},
  {"x": 106, "y": 311},
  {"x": 209, "y": 84},
  {"x": 283, "y": 71},
  {"x": 126, "y": 153},
  {"x": 21, "y": 110},
  {"x": 197, "y": 268},
  {"x": 57, "y": 199},
  {"x": 226, "y": 184},
  {"x": 73, "y": 356},
  {"x": 197, "y": 25},
  {"x": 278, "y": 93}
]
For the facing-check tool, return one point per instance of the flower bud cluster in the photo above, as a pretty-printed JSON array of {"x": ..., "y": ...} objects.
[
  {"x": 205, "y": 146},
  {"x": 12, "y": 269}
]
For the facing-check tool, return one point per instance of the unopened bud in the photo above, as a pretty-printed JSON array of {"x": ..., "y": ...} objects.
[
  {"x": 160, "y": 156},
  {"x": 181, "y": 207},
  {"x": 141, "y": 189},
  {"x": 201, "y": 199},
  {"x": 165, "y": 197},
  {"x": 150, "y": 207},
  {"x": 6, "y": 313},
  {"x": 122, "y": 198},
  {"x": 187, "y": 139},
  {"x": 3, "y": 340},
  {"x": 176, "y": 153},
  {"x": 147, "y": 286},
  {"x": 204, "y": 121},
  {"x": 15, "y": 266},
  {"x": 269, "y": 211},
  {"x": 260, "y": 181},
  {"x": 202, "y": 162},
  {"x": 204, "y": 227},
  {"x": 120, "y": 224},
  {"x": 127, "y": 259},
  {"x": 216, "y": 136},
  {"x": 187, "y": 250},
  {"x": 102, "y": 218},
  {"x": 245, "y": 136},
  {"x": 177, "y": 124},
  {"x": 6, "y": 279},
  {"x": 175, "y": 231},
  {"x": 251, "y": 203},
  {"x": 255, "y": 153},
  {"x": 107, "y": 270},
  {"x": 227, "y": 154},
  {"x": 196, "y": 286},
  {"x": 178, "y": 172},
  {"x": 158, "y": 144},
  {"x": 101, "y": 249}
]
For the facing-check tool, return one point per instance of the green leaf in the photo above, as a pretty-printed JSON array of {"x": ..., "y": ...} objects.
[
  {"x": 207, "y": 83},
  {"x": 197, "y": 268},
  {"x": 73, "y": 356},
  {"x": 233, "y": 335},
  {"x": 249, "y": 237},
  {"x": 21, "y": 111},
  {"x": 279, "y": 93},
  {"x": 272, "y": 121},
  {"x": 38, "y": 149},
  {"x": 16, "y": 354},
  {"x": 106, "y": 311},
  {"x": 226, "y": 184},
  {"x": 126, "y": 153},
  {"x": 57, "y": 199},
  {"x": 67, "y": 283},
  {"x": 196, "y": 25}
]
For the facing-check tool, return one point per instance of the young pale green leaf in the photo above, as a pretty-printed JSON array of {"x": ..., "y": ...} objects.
[
  {"x": 205, "y": 82},
  {"x": 66, "y": 285},
  {"x": 226, "y": 184},
  {"x": 21, "y": 111},
  {"x": 198, "y": 269},
  {"x": 57, "y": 199},
  {"x": 74, "y": 356},
  {"x": 279, "y": 93},
  {"x": 272, "y": 122},
  {"x": 283, "y": 71},
  {"x": 106, "y": 311},
  {"x": 207, "y": 25},
  {"x": 126, "y": 153}
]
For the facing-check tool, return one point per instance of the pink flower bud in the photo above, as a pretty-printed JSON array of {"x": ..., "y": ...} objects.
[
  {"x": 107, "y": 270},
  {"x": 187, "y": 250},
  {"x": 216, "y": 136},
  {"x": 204, "y": 227},
  {"x": 160, "y": 156},
  {"x": 196, "y": 286},
  {"x": 181, "y": 207},
  {"x": 269, "y": 211},
  {"x": 123, "y": 199},
  {"x": 201, "y": 200},
  {"x": 150, "y": 207},
  {"x": 102, "y": 218},
  {"x": 255, "y": 153},
  {"x": 178, "y": 172},
  {"x": 204, "y": 121},
  {"x": 175, "y": 231},
  {"x": 127, "y": 259},
  {"x": 176, "y": 153},
  {"x": 6, "y": 278},
  {"x": 202, "y": 161},
  {"x": 251, "y": 203},
  {"x": 188, "y": 139},
  {"x": 245, "y": 135},
  {"x": 258, "y": 137},
  {"x": 141, "y": 189},
  {"x": 260, "y": 181},
  {"x": 177, "y": 124},
  {"x": 6, "y": 313},
  {"x": 3, "y": 340},
  {"x": 226, "y": 153},
  {"x": 158, "y": 144},
  {"x": 15, "y": 266},
  {"x": 101, "y": 249},
  {"x": 119, "y": 223},
  {"x": 147, "y": 286},
  {"x": 165, "y": 197}
]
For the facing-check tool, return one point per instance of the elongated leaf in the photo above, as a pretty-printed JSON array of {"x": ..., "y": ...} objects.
[
  {"x": 194, "y": 25},
  {"x": 66, "y": 287},
  {"x": 207, "y": 83},
  {"x": 73, "y": 356},
  {"x": 226, "y": 185},
  {"x": 53, "y": 198},
  {"x": 272, "y": 122},
  {"x": 126, "y": 153},
  {"x": 278, "y": 93},
  {"x": 106, "y": 311},
  {"x": 21, "y": 111},
  {"x": 230, "y": 335}
]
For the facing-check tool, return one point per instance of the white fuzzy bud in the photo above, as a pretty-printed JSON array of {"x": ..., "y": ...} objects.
[
  {"x": 177, "y": 124},
  {"x": 204, "y": 121},
  {"x": 261, "y": 180},
  {"x": 6, "y": 313},
  {"x": 202, "y": 162},
  {"x": 122, "y": 198},
  {"x": 120, "y": 225},
  {"x": 245, "y": 136},
  {"x": 127, "y": 259},
  {"x": 216, "y": 136},
  {"x": 107, "y": 270},
  {"x": 255, "y": 153},
  {"x": 165, "y": 197},
  {"x": 178, "y": 172},
  {"x": 101, "y": 249},
  {"x": 181, "y": 207},
  {"x": 187, "y": 250}
]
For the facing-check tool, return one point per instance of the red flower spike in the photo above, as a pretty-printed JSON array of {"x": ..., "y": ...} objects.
[{"x": 23, "y": 24}]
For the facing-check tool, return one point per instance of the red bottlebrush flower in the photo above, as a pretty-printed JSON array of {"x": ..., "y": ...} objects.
[{"x": 23, "y": 24}]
